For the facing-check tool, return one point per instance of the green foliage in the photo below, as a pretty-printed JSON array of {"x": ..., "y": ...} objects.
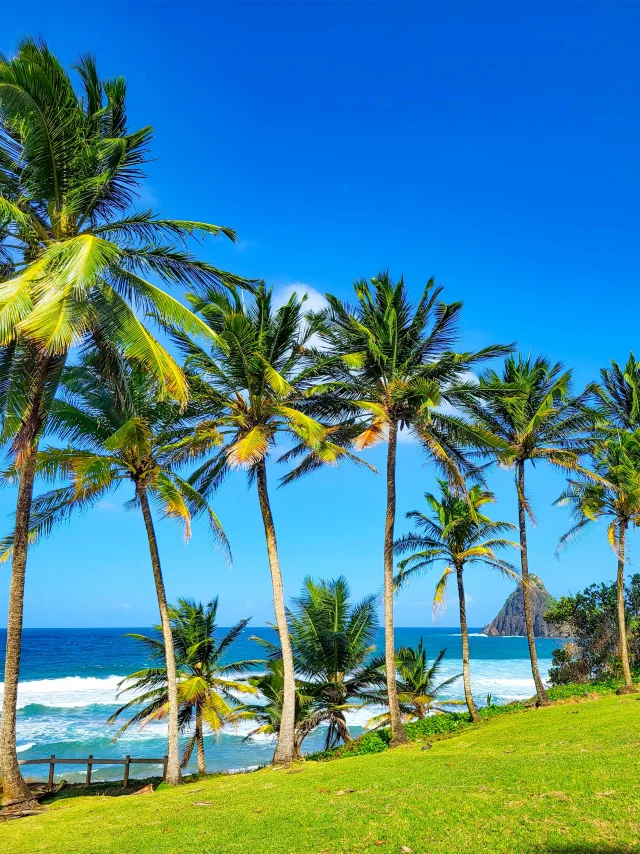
[
  {"x": 394, "y": 362},
  {"x": 455, "y": 532},
  {"x": 592, "y": 620},
  {"x": 121, "y": 432},
  {"x": 205, "y": 690},
  {"x": 332, "y": 640}
]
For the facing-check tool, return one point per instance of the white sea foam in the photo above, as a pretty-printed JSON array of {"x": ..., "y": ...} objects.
[
  {"x": 69, "y": 692},
  {"x": 22, "y": 747}
]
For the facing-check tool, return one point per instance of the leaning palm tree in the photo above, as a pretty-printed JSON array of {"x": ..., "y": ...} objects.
[
  {"x": 530, "y": 409},
  {"x": 615, "y": 496},
  {"x": 457, "y": 533},
  {"x": 76, "y": 255},
  {"x": 257, "y": 383},
  {"x": 206, "y": 690},
  {"x": 123, "y": 433},
  {"x": 419, "y": 693},
  {"x": 617, "y": 395},
  {"x": 393, "y": 362}
]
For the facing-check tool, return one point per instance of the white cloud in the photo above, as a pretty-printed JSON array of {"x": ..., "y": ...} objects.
[{"x": 314, "y": 301}]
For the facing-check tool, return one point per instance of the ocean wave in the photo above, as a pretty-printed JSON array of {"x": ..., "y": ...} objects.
[
  {"x": 68, "y": 692},
  {"x": 22, "y": 747}
]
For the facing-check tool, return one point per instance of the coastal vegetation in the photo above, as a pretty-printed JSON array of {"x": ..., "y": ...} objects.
[
  {"x": 456, "y": 533},
  {"x": 255, "y": 384},
  {"x": 206, "y": 685},
  {"x": 553, "y": 780}
]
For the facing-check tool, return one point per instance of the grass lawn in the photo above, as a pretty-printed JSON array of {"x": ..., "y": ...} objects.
[{"x": 564, "y": 779}]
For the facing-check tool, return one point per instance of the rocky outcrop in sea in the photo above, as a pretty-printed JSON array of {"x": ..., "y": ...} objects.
[{"x": 510, "y": 620}]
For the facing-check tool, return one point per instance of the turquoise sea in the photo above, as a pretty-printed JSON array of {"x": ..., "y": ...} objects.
[{"x": 69, "y": 683}]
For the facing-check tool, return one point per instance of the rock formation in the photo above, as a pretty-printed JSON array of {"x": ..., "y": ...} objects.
[{"x": 510, "y": 620}]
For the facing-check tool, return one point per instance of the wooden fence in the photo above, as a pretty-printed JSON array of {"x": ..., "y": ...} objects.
[{"x": 90, "y": 761}]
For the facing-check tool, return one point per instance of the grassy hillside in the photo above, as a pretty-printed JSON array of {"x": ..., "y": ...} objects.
[{"x": 563, "y": 779}]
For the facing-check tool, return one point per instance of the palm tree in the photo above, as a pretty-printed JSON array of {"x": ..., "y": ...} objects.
[
  {"x": 530, "y": 410},
  {"x": 616, "y": 496},
  {"x": 456, "y": 533},
  {"x": 205, "y": 687},
  {"x": 393, "y": 363},
  {"x": 418, "y": 693},
  {"x": 257, "y": 382},
  {"x": 122, "y": 432},
  {"x": 270, "y": 686},
  {"x": 76, "y": 255},
  {"x": 332, "y": 643},
  {"x": 617, "y": 396}
]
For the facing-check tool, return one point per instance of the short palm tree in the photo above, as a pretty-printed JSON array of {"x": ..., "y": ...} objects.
[
  {"x": 257, "y": 383},
  {"x": 393, "y": 363},
  {"x": 270, "y": 686},
  {"x": 333, "y": 640},
  {"x": 617, "y": 395},
  {"x": 419, "y": 692},
  {"x": 615, "y": 496},
  {"x": 530, "y": 409},
  {"x": 76, "y": 255},
  {"x": 123, "y": 433},
  {"x": 457, "y": 533},
  {"x": 206, "y": 691}
]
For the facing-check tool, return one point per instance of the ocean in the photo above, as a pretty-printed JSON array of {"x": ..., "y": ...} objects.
[{"x": 69, "y": 683}]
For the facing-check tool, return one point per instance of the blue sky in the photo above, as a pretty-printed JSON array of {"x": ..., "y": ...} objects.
[{"x": 493, "y": 146}]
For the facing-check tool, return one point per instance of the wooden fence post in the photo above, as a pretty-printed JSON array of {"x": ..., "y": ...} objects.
[
  {"x": 127, "y": 763},
  {"x": 89, "y": 764},
  {"x": 52, "y": 765},
  {"x": 164, "y": 769}
]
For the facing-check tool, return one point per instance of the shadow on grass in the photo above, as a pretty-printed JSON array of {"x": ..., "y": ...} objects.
[
  {"x": 585, "y": 848},
  {"x": 109, "y": 789}
]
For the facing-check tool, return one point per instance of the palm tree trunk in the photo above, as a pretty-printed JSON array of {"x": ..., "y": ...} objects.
[
  {"x": 14, "y": 788},
  {"x": 543, "y": 699},
  {"x": 285, "y": 751},
  {"x": 464, "y": 631},
  {"x": 200, "y": 741},
  {"x": 174, "y": 776},
  {"x": 398, "y": 734},
  {"x": 629, "y": 687}
]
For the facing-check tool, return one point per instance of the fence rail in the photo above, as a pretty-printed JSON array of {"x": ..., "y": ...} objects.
[{"x": 90, "y": 761}]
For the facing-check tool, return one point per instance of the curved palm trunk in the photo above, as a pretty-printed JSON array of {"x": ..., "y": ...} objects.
[
  {"x": 174, "y": 775},
  {"x": 622, "y": 632},
  {"x": 398, "y": 734},
  {"x": 543, "y": 699},
  {"x": 200, "y": 741},
  {"x": 464, "y": 631},
  {"x": 14, "y": 788},
  {"x": 285, "y": 751}
]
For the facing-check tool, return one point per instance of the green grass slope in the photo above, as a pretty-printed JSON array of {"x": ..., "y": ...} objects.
[{"x": 564, "y": 779}]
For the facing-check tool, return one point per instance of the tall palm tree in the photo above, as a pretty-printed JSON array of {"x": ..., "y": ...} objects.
[
  {"x": 206, "y": 691},
  {"x": 616, "y": 496},
  {"x": 393, "y": 362},
  {"x": 456, "y": 532},
  {"x": 76, "y": 254},
  {"x": 418, "y": 692},
  {"x": 122, "y": 432},
  {"x": 257, "y": 382},
  {"x": 617, "y": 396},
  {"x": 530, "y": 409}
]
